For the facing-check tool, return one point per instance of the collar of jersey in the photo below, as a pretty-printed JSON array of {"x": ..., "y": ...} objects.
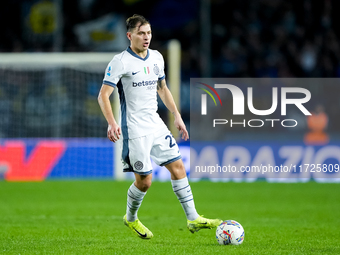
[{"x": 135, "y": 55}]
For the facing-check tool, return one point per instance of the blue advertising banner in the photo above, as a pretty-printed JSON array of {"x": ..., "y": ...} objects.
[{"x": 39, "y": 159}]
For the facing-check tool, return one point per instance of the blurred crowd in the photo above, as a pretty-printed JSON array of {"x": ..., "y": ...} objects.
[
  {"x": 262, "y": 38},
  {"x": 276, "y": 38}
]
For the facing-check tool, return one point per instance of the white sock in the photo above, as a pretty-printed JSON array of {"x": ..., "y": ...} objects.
[
  {"x": 183, "y": 192},
  {"x": 134, "y": 200}
]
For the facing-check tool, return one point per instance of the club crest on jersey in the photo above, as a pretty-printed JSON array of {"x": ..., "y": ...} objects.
[{"x": 156, "y": 69}]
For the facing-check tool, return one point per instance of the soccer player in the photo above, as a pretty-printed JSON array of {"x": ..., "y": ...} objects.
[{"x": 138, "y": 73}]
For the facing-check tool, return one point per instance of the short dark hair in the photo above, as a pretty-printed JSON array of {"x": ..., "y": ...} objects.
[{"x": 135, "y": 20}]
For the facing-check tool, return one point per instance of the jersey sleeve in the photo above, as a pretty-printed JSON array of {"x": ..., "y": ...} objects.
[
  {"x": 113, "y": 73},
  {"x": 161, "y": 75}
]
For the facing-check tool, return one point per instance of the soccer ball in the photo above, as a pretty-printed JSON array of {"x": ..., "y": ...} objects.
[{"x": 230, "y": 232}]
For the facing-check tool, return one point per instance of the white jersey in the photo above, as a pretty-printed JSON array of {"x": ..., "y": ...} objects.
[{"x": 136, "y": 79}]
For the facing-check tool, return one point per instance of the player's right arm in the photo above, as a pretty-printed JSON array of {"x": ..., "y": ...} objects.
[
  {"x": 113, "y": 130},
  {"x": 113, "y": 73}
]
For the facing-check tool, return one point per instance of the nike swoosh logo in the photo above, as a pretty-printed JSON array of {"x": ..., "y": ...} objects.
[
  {"x": 133, "y": 73},
  {"x": 142, "y": 235},
  {"x": 203, "y": 223}
]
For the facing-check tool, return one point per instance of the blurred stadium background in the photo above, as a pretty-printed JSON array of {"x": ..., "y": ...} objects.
[{"x": 50, "y": 123}]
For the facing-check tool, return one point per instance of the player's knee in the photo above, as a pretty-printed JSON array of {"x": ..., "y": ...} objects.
[
  {"x": 178, "y": 174},
  {"x": 143, "y": 185},
  {"x": 177, "y": 170}
]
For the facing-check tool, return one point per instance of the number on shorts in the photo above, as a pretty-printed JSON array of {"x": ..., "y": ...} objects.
[{"x": 170, "y": 142}]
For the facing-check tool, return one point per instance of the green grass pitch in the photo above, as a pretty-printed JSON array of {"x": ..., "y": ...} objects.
[{"x": 85, "y": 217}]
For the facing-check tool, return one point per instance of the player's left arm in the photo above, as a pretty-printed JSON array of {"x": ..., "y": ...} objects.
[{"x": 166, "y": 96}]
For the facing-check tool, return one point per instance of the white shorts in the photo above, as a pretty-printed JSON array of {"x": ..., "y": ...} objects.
[{"x": 160, "y": 146}]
